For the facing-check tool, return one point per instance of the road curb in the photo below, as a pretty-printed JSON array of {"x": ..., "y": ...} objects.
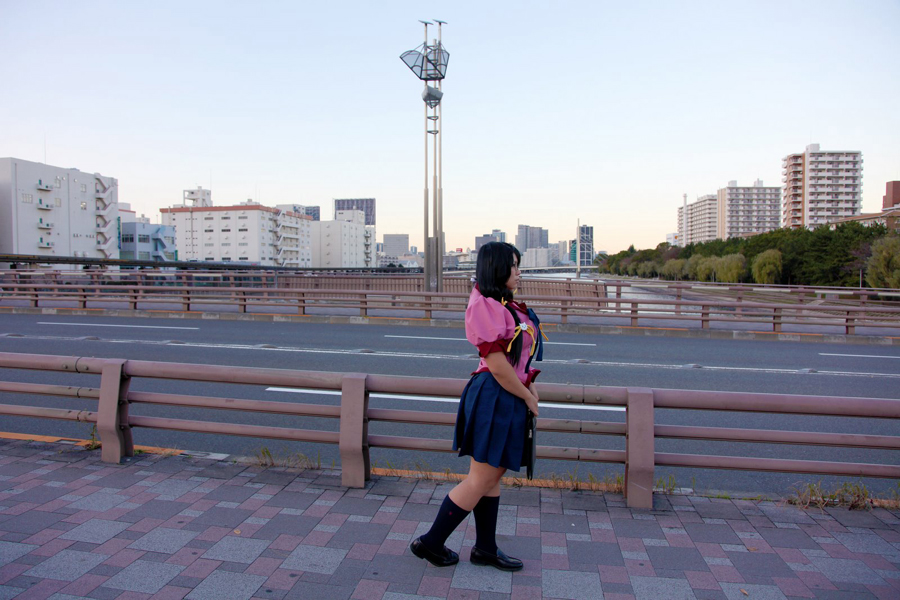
[{"x": 703, "y": 334}]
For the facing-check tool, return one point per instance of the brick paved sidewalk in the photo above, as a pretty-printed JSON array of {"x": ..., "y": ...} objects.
[{"x": 183, "y": 527}]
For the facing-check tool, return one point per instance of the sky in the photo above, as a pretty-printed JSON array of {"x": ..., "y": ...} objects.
[{"x": 607, "y": 112}]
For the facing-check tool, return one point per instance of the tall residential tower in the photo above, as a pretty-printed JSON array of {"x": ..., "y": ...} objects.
[{"x": 820, "y": 187}]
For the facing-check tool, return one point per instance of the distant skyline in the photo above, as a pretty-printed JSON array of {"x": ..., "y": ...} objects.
[{"x": 597, "y": 111}]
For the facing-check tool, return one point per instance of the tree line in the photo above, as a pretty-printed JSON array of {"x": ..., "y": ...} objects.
[{"x": 851, "y": 254}]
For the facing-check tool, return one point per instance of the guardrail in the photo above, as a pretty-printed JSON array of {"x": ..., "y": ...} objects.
[
  {"x": 302, "y": 281},
  {"x": 455, "y": 282},
  {"x": 552, "y": 307},
  {"x": 115, "y": 424}
]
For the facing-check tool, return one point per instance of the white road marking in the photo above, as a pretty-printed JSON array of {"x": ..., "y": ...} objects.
[
  {"x": 439, "y": 399},
  {"x": 419, "y": 337},
  {"x": 422, "y": 356},
  {"x": 130, "y": 326},
  {"x": 858, "y": 355}
]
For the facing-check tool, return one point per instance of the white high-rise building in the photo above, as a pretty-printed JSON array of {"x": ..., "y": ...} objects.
[
  {"x": 52, "y": 211},
  {"x": 820, "y": 187},
  {"x": 746, "y": 211},
  {"x": 345, "y": 242},
  {"x": 247, "y": 232},
  {"x": 699, "y": 223}
]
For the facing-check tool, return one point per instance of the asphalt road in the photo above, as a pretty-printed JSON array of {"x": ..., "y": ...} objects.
[{"x": 678, "y": 363}]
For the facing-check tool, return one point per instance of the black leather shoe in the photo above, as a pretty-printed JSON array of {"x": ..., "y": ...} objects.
[
  {"x": 447, "y": 558},
  {"x": 498, "y": 561}
]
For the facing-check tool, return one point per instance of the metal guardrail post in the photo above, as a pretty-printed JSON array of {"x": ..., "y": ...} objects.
[
  {"x": 639, "y": 448},
  {"x": 850, "y": 329},
  {"x": 301, "y": 303},
  {"x": 112, "y": 413},
  {"x": 776, "y": 320},
  {"x": 363, "y": 305},
  {"x": 354, "y": 433},
  {"x": 704, "y": 317}
]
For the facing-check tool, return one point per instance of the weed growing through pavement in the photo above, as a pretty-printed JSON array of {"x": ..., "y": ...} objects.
[
  {"x": 92, "y": 442},
  {"x": 264, "y": 457},
  {"x": 855, "y": 496},
  {"x": 666, "y": 486}
]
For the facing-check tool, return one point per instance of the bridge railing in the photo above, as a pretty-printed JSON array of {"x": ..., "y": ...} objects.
[
  {"x": 640, "y": 430},
  {"x": 597, "y": 309}
]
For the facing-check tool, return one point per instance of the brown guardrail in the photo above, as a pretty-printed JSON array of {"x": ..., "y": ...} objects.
[
  {"x": 598, "y": 307},
  {"x": 115, "y": 424}
]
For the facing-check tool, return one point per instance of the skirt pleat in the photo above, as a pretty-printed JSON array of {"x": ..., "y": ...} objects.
[{"x": 490, "y": 424}]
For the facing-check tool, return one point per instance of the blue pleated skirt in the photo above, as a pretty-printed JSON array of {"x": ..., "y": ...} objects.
[{"x": 490, "y": 424}]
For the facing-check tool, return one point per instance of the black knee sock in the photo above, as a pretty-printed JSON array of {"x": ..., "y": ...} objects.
[
  {"x": 486, "y": 523},
  {"x": 448, "y": 518}
]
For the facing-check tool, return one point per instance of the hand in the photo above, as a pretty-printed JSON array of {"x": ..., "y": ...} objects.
[
  {"x": 533, "y": 391},
  {"x": 532, "y": 403}
]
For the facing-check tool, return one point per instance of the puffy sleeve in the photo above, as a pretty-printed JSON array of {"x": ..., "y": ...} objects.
[{"x": 489, "y": 326}]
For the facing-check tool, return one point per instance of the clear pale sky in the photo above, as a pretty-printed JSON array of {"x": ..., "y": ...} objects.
[{"x": 552, "y": 111}]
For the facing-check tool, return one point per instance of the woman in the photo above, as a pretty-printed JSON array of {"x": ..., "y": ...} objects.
[{"x": 490, "y": 425}]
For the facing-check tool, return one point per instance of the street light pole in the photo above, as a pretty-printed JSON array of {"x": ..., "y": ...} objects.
[{"x": 429, "y": 63}]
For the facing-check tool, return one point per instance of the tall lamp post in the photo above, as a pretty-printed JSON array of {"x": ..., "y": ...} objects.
[{"x": 429, "y": 63}]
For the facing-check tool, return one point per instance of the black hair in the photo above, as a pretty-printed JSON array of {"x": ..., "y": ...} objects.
[{"x": 492, "y": 270}]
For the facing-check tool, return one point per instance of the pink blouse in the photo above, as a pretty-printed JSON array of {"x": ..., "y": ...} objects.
[{"x": 490, "y": 327}]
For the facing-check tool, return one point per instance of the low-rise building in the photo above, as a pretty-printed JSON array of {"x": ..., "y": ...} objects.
[
  {"x": 247, "y": 232},
  {"x": 53, "y": 211},
  {"x": 345, "y": 242}
]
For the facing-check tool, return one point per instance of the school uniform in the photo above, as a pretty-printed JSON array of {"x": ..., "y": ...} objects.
[{"x": 490, "y": 424}]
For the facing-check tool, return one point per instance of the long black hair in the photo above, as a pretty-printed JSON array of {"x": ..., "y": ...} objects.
[{"x": 492, "y": 271}]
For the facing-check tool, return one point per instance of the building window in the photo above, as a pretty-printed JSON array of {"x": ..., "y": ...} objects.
[
  {"x": 143, "y": 256},
  {"x": 143, "y": 239},
  {"x": 207, "y": 245},
  {"x": 226, "y": 230},
  {"x": 83, "y": 187},
  {"x": 27, "y": 198},
  {"x": 242, "y": 244},
  {"x": 84, "y": 206},
  {"x": 227, "y": 244},
  {"x": 243, "y": 217},
  {"x": 226, "y": 218},
  {"x": 208, "y": 218},
  {"x": 208, "y": 258},
  {"x": 127, "y": 238},
  {"x": 242, "y": 229},
  {"x": 208, "y": 231},
  {"x": 243, "y": 258}
]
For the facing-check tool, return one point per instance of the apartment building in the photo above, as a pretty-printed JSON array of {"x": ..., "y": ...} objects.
[
  {"x": 698, "y": 221},
  {"x": 820, "y": 187},
  {"x": 53, "y": 211},
  {"x": 746, "y": 211},
  {"x": 345, "y": 242},
  {"x": 143, "y": 240},
  {"x": 247, "y": 232}
]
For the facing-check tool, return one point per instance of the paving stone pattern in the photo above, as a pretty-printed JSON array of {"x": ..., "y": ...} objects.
[{"x": 72, "y": 527}]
